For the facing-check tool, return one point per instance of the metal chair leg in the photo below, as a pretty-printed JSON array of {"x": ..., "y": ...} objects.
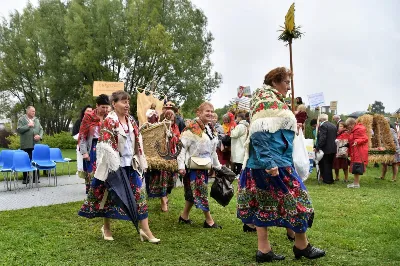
[{"x": 15, "y": 180}]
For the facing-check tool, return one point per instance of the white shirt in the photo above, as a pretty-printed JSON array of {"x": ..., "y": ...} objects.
[
  {"x": 127, "y": 154},
  {"x": 96, "y": 132}
]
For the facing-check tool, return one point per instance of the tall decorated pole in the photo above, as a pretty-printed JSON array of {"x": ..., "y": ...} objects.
[{"x": 288, "y": 34}]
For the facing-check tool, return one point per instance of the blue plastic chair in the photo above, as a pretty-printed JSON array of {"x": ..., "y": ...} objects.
[
  {"x": 8, "y": 160},
  {"x": 56, "y": 156},
  {"x": 41, "y": 160},
  {"x": 22, "y": 164}
]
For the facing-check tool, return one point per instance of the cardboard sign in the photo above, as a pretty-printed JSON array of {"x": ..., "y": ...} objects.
[
  {"x": 243, "y": 91},
  {"x": 107, "y": 88},
  {"x": 316, "y": 100},
  {"x": 333, "y": 106}
]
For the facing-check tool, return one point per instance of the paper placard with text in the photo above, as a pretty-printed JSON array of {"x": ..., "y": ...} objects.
[
  {"x": 316, "y": 99},
  {"x": 106, "y": 87},
  {"x": 333, "y": 105}
]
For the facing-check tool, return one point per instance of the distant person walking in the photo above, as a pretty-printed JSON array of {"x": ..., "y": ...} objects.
[
  {"x": 326, "y": 142},
  {"x": 31, "y": 132}
]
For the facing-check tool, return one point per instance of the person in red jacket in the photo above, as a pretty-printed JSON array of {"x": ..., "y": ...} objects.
[
  {"x": 342, "y": 154},
  {"x": 358, "y": 149}
]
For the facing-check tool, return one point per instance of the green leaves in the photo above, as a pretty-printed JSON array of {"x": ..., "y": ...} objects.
[{"x": 51, "y": 54}]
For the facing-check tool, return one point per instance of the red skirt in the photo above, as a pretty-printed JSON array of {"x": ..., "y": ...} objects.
[
  {"x": 340, "y": 163},
  {"x": 223, "y": 157}
]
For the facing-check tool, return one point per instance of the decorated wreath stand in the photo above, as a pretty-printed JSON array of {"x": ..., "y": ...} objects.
[
  {"x": 156, "y": 142},
  {"x": 381, "y": 145}
]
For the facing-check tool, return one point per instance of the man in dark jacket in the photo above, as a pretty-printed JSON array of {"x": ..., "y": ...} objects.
[{"x": 326, "y": 142}]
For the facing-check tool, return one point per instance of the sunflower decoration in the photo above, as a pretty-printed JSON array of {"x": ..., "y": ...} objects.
[
  {"x": 290, "y": 31},
  {"x": 288, "y": 34}
]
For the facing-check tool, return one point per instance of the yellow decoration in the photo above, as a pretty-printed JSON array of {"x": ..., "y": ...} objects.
[{"x": 289, "y": 19}]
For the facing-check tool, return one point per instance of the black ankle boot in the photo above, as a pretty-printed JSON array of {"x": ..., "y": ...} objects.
[
  {"x": 247, "y": 228},
  {"x": 309, "y": 252},
  {"x": 268, "y": 257}
]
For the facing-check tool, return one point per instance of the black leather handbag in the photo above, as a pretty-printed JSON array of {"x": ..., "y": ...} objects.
[
  {"x": 222, "y": 189},
  {"x": 358, "y": 168}
]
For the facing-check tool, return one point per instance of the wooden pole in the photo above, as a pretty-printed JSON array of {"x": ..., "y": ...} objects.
[{"x": 291, "y": 69}]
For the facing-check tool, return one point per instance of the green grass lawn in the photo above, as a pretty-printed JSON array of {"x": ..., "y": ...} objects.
[{"x": 355, "y": 227}]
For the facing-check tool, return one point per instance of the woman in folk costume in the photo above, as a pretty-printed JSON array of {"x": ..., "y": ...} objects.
[
  {"x": 270, "y": 191},
  {"x": 152, "y": 114},
  {"x": 229, "y": 123},
  {"x": 75, "y": 135},
  {"x": 224, "y": 151},
  {"x": 198, "y": 154},
  {"x": 120, "y": 145},
  {"x": 89, "y": 133},
  {"x": 160, "y": 183}
]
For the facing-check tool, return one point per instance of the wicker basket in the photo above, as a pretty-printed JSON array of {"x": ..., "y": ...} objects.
[{"x": 151, "y": 135}]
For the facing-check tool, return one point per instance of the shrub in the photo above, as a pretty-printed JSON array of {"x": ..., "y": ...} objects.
[
  {"x": 14, "y": 142},
  {"x": 3, "y": 138},
  {"x": 62, "y": 140}
]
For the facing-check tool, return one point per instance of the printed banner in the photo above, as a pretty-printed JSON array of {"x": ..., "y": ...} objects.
[
  {"x": 106, "y": 87},
  {"x": 243, "y": 91}
]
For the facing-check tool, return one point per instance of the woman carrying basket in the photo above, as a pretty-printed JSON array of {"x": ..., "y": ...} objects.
[{"x": 159, "y": 183}]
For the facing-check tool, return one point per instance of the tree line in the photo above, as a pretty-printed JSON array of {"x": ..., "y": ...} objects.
[{"x": 50, "y": 54}]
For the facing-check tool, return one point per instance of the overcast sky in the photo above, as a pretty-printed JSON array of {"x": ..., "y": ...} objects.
[{"x": 348, "y": 51}]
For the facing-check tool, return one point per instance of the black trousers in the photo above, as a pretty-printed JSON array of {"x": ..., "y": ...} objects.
[
  {"x": 29, "y": 151},
  {"x": 325, "y": 168}
]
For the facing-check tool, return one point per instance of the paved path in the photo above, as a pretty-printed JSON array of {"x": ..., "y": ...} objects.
[{"x": 69, "y": 189}]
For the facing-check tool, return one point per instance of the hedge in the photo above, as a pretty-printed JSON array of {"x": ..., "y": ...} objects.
[{"x": 62, "y": 140}]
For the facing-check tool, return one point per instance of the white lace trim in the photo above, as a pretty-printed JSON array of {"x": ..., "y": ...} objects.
[{"x": 107, "y": 160}]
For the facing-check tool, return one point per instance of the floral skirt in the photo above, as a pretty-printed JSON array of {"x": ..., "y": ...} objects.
[
  {"x": 265, "y": 200},
  {"x": 98, "y": 206},
  {"x": 160, "y": 183},
  {"x": 195, "y": 184},
  {"x": 89, "y": 167}
]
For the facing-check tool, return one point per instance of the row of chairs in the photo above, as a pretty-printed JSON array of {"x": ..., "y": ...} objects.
[{"x": 43, "y": 158}]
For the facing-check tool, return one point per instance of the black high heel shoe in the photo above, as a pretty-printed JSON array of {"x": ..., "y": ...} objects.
[
  {"x": 309, "y": 252},
  {"x": 268, "y": 257},
  {"x": 181, "y": 220},
  {"x": 247, "y": 228}
]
